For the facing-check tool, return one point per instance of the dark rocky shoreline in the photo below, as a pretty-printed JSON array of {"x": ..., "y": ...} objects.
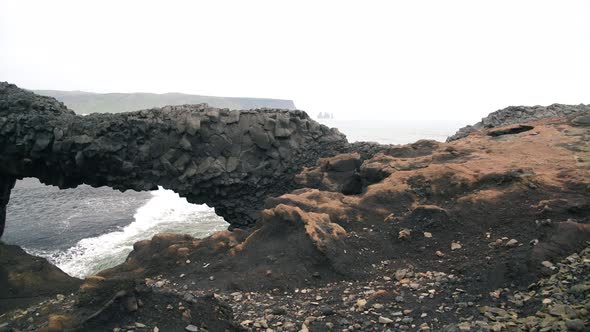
[{"x": 489, "y": 232}]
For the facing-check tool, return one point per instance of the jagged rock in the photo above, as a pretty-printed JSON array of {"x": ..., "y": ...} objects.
[
  {"x": 231, "y": 160},
  {"x": 339, "y": 174},
  {"x": 520, "y": 114},
  {"x": 582, "y": 120}
]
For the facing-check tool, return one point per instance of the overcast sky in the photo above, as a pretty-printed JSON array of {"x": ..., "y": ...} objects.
[{"x": 387, "y": 59}]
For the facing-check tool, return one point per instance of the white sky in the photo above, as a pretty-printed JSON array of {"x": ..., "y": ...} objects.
[{"x": 387, "y": 59}]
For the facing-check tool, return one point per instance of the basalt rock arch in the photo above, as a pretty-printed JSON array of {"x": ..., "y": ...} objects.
[{"x": 231, "y": 160}]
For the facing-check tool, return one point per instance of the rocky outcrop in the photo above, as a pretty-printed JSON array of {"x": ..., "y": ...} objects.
[
  {"x": 435, "y": 234},
  {"x": 231, "y": 160},
  {"x": 426, "y": 203},
  {"x": 520, "y": 114},
  {"x": 25, "y": 278},
  {"x": 6, "y": 185}
]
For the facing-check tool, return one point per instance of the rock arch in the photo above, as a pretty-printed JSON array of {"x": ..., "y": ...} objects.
[{"x": 231, "y": 160}]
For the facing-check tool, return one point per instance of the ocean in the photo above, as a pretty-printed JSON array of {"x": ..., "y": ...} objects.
[{"x": 86, "y": 230}]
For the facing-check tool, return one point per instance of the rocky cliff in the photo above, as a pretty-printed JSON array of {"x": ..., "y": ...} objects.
[
  {"x": 87, "y": 102},
  {"x": 231, "y": 160}
]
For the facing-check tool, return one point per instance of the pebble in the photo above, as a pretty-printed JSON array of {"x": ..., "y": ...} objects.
[
  {"x": 188, "y": 297},
  {"x": 361, "y": 303},
  {"x": 385, "y": 320},
  {"x": 191, "y": 328},
  {"x": 512, "y": 243},
  {"x": 404, "y": 234},
  {"x": 131, "y": 304},
  {"x": 455, "y": 245},
  {"x": 574, "y": 324}
]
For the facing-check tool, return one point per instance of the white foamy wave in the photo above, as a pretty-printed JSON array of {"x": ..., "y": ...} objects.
[{"x": 166, "y": 212}]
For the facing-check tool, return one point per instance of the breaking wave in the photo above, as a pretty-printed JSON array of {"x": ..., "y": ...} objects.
[{"x": 164, "y": 212}]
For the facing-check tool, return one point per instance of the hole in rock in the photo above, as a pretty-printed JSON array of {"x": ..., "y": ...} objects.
[
  {"x": 86, "y": 230},
  {"x": 511, "y": 130}
]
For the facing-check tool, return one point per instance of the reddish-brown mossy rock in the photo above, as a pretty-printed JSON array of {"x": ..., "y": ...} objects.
[
  {"x": 288, "y": 247},
  {"x": 338, "y": 174},
  {"x": 478, "y": 192}
]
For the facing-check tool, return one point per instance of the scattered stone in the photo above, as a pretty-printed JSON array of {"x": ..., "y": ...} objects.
[
  {"x": 131, "y": 304},
  {"x": 427, "y": 234},
  {"x": 404, "y": 234},
  {"x": 400, "y": 274},
  {"x": 512, "y": 243},
  {"x": 575, "y": 324},
  {"x": 188, "y": 297},
  {"x": 455, "y": 245},
  {"x": 191, "y": 328},
  {"x": 385, "y": 320},
  {"x": 361, "y": 303}
]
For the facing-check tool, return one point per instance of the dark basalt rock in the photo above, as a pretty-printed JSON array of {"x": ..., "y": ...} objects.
[
  {"x": 6, "y": 185},
  {"x": 231, "y": 160},
  {"x": 582, "y": 120},
  {"x": 520, "y": 114}
]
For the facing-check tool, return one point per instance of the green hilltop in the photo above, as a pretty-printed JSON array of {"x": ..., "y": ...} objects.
[{"x": 88, "y": 102}]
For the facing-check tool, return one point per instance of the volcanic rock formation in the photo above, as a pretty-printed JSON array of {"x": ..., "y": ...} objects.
[
  {"x": 416, "y": 236},
  {"x": 520, "y": 114},
  {"x": 231, "y": 160}
]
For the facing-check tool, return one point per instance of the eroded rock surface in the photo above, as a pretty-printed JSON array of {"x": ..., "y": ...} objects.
[
  {"x": 231, "y": 160},
  {"x": 520, "y": 114},
  {"x": 438, "y": 231}
]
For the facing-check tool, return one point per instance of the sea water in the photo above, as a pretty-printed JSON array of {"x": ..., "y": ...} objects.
[{"x": 86, "y": 230}]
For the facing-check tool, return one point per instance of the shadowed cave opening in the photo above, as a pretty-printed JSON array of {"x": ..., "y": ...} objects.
[{"x": 84, "y": 230}]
